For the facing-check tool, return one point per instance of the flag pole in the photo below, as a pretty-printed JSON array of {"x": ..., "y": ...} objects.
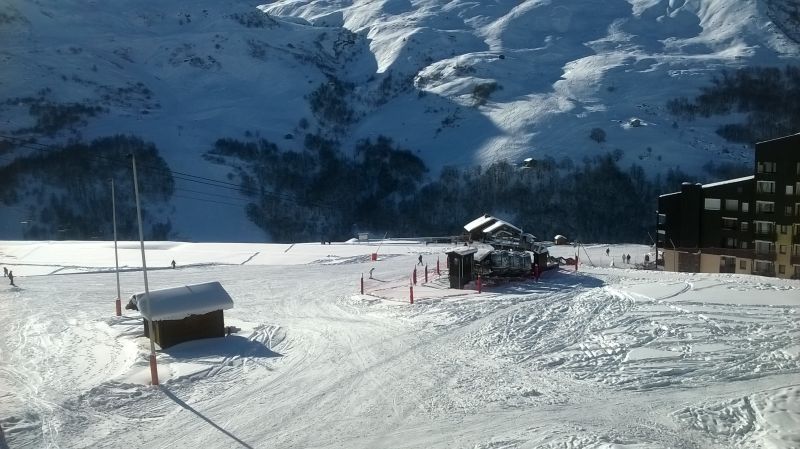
[
  {"x": 153, "y": 365},
  {"x": 116, "y": 254}
]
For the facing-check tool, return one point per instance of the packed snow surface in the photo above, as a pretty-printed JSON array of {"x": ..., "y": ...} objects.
[{"x": 602, "y": 357}]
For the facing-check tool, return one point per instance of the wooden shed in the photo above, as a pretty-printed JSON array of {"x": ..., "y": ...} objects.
[
  {"x": 461, "y": 261},
  {"x": 183, "y": 313}
]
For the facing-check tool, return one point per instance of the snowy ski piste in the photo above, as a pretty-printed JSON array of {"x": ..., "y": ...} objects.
[{"x": 602, "y": 357}]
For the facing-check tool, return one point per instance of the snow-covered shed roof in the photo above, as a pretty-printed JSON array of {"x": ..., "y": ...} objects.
[
  {"x": 178, "y": 303},
  {"x": 478, "y": 222},
  {"x": 501, "y": 224},
  {"x": 462, "y": 250}
]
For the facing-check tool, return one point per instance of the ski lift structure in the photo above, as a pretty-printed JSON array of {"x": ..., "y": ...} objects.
[{"x": 501, "y": 250}]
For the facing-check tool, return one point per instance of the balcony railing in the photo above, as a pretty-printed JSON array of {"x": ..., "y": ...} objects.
[
  {"x": 732, "y": 252},
  {"x": 765, "y": 255},
  {"x": 765, "y": 272},
  {"x": 768, "y": 234}
]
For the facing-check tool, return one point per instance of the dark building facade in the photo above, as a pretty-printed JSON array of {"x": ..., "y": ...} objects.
[{"x": 744, "y": 225}]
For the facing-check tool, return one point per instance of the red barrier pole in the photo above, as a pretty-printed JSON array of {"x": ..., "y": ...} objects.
[
  {"x": 415, "y": 275},
  {"x": 411, "y": 293},
  {"x": 437, "y": 267},
  {"x": 479, "y": 283},
  {"x": 362, "y": 283},
  {"x": 153, "y": 368},
  {"x": 426, "y": 274},
  {"x": 119, "y": 307}
]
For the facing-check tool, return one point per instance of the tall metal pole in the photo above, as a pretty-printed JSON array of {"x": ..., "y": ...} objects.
[
  {"x": 116, "y": 254},
  {"x": 153, "y": 365}
]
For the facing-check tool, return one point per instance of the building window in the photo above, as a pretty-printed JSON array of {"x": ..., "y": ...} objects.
[
  {"x": 732, "y": 205},
  {"x": 712, "y": 204},
  {"x": 730, "y": 242},
  {"x": 782, "y": 269},
  {"x": 744, "y": 226},
  {"x": 745, "y": 207},
  {"x": 763, "y": 267},
  {"x": 766, "y": 167},
  {"x": 742, "y": 264},
  {"x": 729, "y": 223},
  {"x": 763, "y": 247},
  {"x": 765, "y": 187},
  {"x": 743, "y": 245},
  {"x": 790, "y": 190},
  {"x": 764, "y": 227},
  {"x": 787, "y": 211},
  {"x": 782, "y": 249},
  {"x": 784, "y": 229},
  {"x": 662, "y": 219},
  {"x": 765, "y": 207}
]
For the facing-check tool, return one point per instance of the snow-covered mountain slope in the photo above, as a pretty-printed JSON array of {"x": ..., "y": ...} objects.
[
  {"x": 605, "y": 357},
  {"x": 457, "y": 82}
]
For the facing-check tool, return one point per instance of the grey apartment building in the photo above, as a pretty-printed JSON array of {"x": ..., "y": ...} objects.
[{"x": 746, "y": 225}]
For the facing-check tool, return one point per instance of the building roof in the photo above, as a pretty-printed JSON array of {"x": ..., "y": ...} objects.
[
  {"x": 499, "y": 224},
  {"x": 462, "y": 250},
  {"x": 178, "y": 303},
  {"x": 478, "y": 222},
  {"x": 728, "y": 181}
]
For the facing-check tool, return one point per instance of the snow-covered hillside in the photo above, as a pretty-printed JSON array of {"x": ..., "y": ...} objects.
[
  {"x": 606, "y": 357},
  {"x": 457, "y": 82}
]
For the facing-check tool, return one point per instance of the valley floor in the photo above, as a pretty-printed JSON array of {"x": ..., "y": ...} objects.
[{"x": 605, "y": 357}]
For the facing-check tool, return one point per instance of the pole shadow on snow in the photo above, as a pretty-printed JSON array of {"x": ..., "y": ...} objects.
[{"x": 186, "y": 406}]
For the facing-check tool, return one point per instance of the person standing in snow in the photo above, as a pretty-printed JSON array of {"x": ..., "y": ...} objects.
[
  {"x": 628, "y": 258},
  {"x": 608, "y": 251},
  {"x": 370, "y": 272},
  {"x": 11, "y": 277},
  {"x": 5, "y": 272},
  {"x": 173, "y": 264},
  {"x": 420, "y": 260}
]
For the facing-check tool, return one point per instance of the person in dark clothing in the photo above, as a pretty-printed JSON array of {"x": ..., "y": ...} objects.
[
  {"x": 628, "y": 258},
  {"x": 5, "y": 272},
  {"x": 420, "y": 260},
  {"x": 608, "y": 250},
  {"x": 173, "y": 264},
  {"x": 11, "y": 277}
]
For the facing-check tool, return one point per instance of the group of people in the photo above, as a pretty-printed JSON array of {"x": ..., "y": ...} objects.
[
  {"x": 626, "y": 258},
  {"x": 9, "y": 274}
]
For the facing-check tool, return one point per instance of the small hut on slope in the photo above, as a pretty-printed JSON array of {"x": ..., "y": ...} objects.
[{"x": 183, "y": 313}]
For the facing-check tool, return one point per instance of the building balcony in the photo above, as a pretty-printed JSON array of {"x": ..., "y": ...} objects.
[
  {"x": 795, "y": 259},
  {"x": 769, "y": 236},
  {"x": 796, "y": 239},
  {"x": 765, "y": 272},
  {"x": 765, "y": 255},
  {"x": 731, "y": 252}
]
